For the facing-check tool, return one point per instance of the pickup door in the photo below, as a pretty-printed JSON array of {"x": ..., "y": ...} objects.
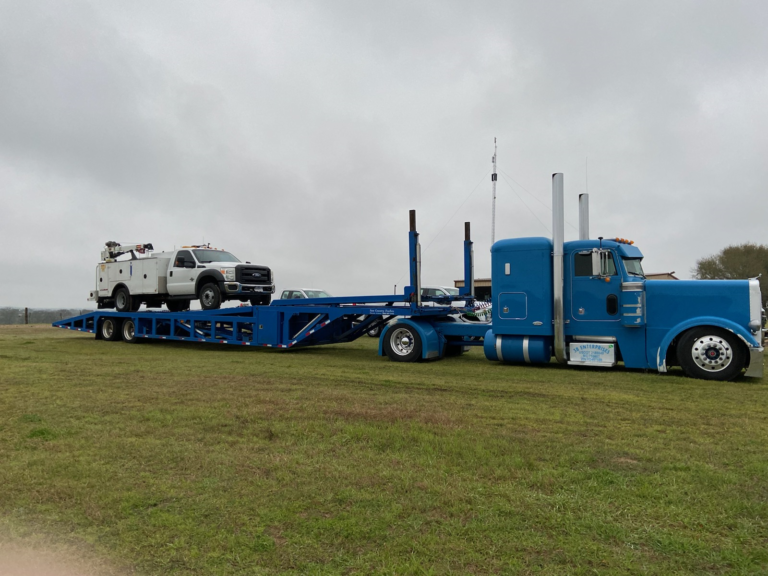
[{"x": 182, "y": 273}]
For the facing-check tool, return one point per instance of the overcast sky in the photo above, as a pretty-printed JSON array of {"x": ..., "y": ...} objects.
[{"x": 299, "y": 134}]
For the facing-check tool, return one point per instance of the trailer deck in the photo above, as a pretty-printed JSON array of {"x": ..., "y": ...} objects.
[{"x": 298, "y": 323}]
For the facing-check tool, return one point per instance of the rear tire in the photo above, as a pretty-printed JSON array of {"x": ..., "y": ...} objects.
[
  {"x": 129, "y": 332},
  {"x": 123, "y": 300},
  {"x": 710, "y": 353},
  {"x": 110, "y": 329},
  {"x": 402, "y": 343},
  {"x": 210, "y": 297}
]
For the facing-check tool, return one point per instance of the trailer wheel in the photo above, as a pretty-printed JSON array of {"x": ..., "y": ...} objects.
[
  {"x": 210, "y": 297},
  {"x": 110, "y": 329},
  {"x": 129, "y": 331},
  {"x": 710, "y": 353},
  {"x": 123, "y": 300},
  {"x": 402, "y": 343}
]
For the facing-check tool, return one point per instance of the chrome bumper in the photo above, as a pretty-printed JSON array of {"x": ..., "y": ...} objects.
[
  {"x": 237, "y": 288},
  {"x": 755, "y": 369}
]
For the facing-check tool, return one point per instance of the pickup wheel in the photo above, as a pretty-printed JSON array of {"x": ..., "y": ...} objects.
[
  {"x": 261, "y": 300},
  {"x": 110, "y": 329},
  {"x": 210, "y": 297},
  {"x": 177, "y": 305},
  {"x": 129, "y": 332},
  {"x": 123, "y": 300},
  {"x": 402, "y": 343},
  {"x": 710, "y": 353},
  {"x": 374, "y": 332}
]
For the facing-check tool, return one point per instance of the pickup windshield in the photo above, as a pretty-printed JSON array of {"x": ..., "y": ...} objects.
[
  {"x": 317, "y": 294},
  {"x": 452, "y": 291},
  {"x": 633, "y": 266},
  {"x": 207, "y": 256}
]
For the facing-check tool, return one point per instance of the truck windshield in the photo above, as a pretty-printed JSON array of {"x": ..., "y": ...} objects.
[
  {"x": 634, "y": 267},
  {"x": 207, "y": 256},
  {"x": 452, "y": 291}
]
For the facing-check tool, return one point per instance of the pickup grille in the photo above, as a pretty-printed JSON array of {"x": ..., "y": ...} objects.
[{"x": 253, "y": 275}]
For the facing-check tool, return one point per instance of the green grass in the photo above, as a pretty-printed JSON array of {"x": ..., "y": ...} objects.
[{"x": 181, "y": 458}]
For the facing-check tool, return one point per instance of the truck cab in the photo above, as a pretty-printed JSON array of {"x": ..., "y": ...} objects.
[{"x": 611, "y": 313}]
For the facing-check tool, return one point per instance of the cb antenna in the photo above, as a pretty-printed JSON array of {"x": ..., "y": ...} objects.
[{"x": 493, "y": 188}]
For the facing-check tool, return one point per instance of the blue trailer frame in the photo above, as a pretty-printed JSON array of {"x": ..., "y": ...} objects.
[{"x": 289, "y": 324}]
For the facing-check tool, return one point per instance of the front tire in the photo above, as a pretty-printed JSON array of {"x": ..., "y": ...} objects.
[
  {"x": 110, "y": 329},
  {"x": 210, "y": 297},
  {"x": 710, "y": 353},
  {"x": 129, "y": 332},
  {"x": 402, "y": 343}
]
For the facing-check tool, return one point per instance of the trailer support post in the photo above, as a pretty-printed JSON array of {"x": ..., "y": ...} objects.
[{"x": 469, "y": 265}]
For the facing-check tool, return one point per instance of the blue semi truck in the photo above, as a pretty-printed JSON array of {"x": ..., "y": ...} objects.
[{"x": 585, "y": 302}]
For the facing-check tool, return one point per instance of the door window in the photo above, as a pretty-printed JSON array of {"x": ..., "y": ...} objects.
[{"x": 182, "y": 257}]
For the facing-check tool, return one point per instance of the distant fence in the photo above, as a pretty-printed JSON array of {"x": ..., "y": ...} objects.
[{"x": 37, "y": 315}]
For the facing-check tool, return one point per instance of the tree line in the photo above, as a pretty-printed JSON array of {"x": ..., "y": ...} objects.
[
  {"x": 37, "y": 315},
  {"x": 734, "y": 263}
]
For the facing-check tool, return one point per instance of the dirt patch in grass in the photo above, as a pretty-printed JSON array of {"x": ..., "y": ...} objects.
[{"x": 40, "y": 560}]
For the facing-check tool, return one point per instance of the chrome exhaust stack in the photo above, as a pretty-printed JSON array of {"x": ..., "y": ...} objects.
[
  {"x": 583, "y": 216},
  {"x": 558, "y": 233}
]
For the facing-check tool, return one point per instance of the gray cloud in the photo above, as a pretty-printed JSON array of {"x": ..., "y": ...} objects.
[{"x": 299, "y": 134}]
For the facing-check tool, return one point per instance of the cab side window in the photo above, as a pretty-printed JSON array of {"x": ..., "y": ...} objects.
[
  {"x": 182, "y": 257},
  {"x": 582, "y": 264}
]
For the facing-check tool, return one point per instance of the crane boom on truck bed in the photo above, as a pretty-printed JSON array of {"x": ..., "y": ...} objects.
[{"x": 585, "y": 302}]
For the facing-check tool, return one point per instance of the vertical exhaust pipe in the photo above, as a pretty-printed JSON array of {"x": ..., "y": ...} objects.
[
  {"x": 558, "y": 233},
  {"x": 583, "y": 216},
  {"x": 415, "y": 250}
]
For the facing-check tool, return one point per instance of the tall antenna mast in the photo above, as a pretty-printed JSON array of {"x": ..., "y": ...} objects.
[{"x": 493, "y": 187}]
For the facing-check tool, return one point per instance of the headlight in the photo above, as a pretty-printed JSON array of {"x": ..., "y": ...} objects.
[{"x": 229, "y": 274}]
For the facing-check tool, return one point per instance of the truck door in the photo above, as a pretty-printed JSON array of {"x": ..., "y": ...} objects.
[
  {"x": 594, "y": 299},
  {"x": 182, "y": 274}
]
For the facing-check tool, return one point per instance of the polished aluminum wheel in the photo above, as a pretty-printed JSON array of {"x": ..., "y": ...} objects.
[
  {"x": 712, "y": 353},
  {"x": 402, "y": 341}
]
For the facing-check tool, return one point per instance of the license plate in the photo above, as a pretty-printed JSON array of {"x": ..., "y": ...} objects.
[{"x": 592, "y": 354}]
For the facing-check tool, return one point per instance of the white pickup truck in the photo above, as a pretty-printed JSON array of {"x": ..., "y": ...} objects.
[{"x": 176, "y": 278}]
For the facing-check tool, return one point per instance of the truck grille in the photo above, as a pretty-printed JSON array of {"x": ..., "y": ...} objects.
[{"x": 253, "y": 275}]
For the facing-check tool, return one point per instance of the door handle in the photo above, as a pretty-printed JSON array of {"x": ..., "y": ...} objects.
[{"x": 171, "y": 273}]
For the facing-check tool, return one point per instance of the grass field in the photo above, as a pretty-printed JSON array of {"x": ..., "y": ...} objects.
[{"x": 180, "y": 458}]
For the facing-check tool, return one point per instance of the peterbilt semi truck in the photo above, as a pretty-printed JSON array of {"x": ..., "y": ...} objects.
[
  {"x": 584, "y": 302},
  {"x": 587, "y": 303},
  {"x": 175, "y": 278}
]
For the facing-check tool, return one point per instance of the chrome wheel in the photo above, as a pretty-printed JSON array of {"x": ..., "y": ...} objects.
[
  {"x": 402, "y": 341},
  {"x": 712, "y": 353},
  {"x": 129, "y": 331}
]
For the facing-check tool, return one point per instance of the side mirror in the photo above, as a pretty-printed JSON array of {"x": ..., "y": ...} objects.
[
  {"x": 600, "y": 262},
  {"x": 596, "y": 264},
  {"x": 188, "y": 264}
]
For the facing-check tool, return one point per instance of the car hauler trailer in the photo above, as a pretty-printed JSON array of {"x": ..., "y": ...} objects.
[{"x": 585, "y": 302}]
